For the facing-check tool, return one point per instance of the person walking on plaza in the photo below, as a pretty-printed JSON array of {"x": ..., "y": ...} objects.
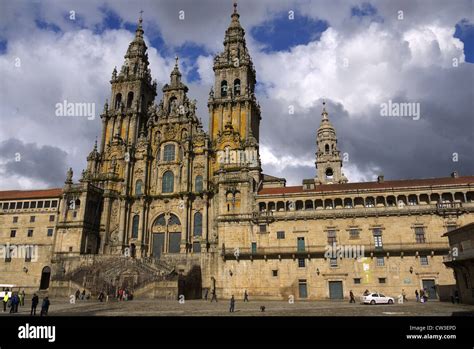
[
  {"x": 404, "y": 295},
  {"x": 5, "y": 301},
  {"x": 34, "y": 304},
  {"x": 232, "y": 304},
  {"x": 45, "y": 306},
  {"x": 205, "y": 294},
  {"x": 213, "y": 295},
  {"x": 14, "y": 303},
  {"x": 352, "y": 298},
  {"x": 78, "y": 294},
  {"x": 417, "y": 296},
  {"x": 246, "y": 296}
]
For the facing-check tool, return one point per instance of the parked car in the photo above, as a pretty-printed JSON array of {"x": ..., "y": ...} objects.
[{"x": 376, "y": 298}]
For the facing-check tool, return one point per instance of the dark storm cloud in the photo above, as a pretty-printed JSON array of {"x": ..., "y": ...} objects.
[{"x": 46, "y": 163}]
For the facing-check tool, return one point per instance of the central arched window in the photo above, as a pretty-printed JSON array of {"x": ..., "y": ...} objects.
[
  {"x": 168, "y": 182},
  {"x": 135, "y": 222},
  {"x": 223, "y": 88},
  {"x": 138, "y": 188},
  {"x": 237, "y": 87},
  {"x": 118, "y": 100},
  {"x": 198, "y": 184},
  {"x": 169, "y": 152},
  {"x": 327, "y": 148},
  {"x": 129, "y": 99},
  {"x": 197, "y": 224}
]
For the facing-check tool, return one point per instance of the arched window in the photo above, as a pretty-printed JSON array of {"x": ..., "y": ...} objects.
[
  {"x": 169, "y": 152},
  {"x": 136, "y": 221},
  {"x": 197, "y": 224},
  {"x": 198, "y": 184},
  {"x": 168, "y": 182},
  {"x": 118, "y": 100},
  {"x": 329, "y": 173},
  {"x": 129, "y": 99},
  {"x": 173, "y": 220},
  {"x": 327, "y": 148},
  {"x": 138, "y": 187},
  {"x": 223, "y": 88},
  {"x": 237, "y": 87}
]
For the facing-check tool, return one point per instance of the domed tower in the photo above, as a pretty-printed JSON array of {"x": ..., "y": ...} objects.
[{"x": 328, "y": 157}]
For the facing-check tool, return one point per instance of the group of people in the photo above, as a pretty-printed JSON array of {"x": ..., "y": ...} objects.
[
  {"x": 232, "y": 299},
  {"x": 422, "y": 296},
  {"x": 82, "y": 295},
  {"x": 124, "y": 295},
  {"x": 13, "y": 300}
]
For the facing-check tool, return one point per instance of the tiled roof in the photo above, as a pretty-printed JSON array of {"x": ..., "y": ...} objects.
[
  {"x": 370, "y": 185},
  {"x": 30, "y": 194}
]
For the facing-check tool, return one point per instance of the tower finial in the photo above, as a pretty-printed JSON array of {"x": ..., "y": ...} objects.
[
  {"x": 324, "y": 114},
  {"x": 176, "y": 58},
  {"x": 140, "y": 19},
  {"x": 235, "y": 7}
]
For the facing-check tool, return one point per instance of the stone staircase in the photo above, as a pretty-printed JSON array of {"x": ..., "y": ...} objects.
[{"x": 109, "y": 273}]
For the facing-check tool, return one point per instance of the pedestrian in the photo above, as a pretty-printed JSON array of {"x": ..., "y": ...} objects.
[
  {"x": 213, "y": 295},
  {"x": 351, "y": 295},
  {"x": 232, "y": 304},
  {"x": 45, "y": 306},
  {"x": 78, "y": 294},
  {"x": 246, "y": 296},
  {"x": 5, "y": 301},
  {"x": 417, "y": 296},
  {"x": 101, "y": 297},
  {"x": 426, "y": 295},
  {"x": 14, "y": 303},
  {"x": 34, "y": 304},
  {"x": 83, "y": 295},
  {"x": 205, "y": 294},
  {"x": 404, "y": 295},
  {"x": 422, "y": 296}
]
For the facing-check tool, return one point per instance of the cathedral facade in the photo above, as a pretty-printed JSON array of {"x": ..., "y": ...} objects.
[{"x": 165, "y": 207}]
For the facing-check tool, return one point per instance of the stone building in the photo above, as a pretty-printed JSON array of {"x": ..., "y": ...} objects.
[{"x": 165, "y": 208}]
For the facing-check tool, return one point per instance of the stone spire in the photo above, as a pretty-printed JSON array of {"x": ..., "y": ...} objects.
[{"x": 328, "y": 157}]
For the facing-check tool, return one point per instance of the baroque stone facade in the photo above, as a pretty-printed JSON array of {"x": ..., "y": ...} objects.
[{"x": 163, "y": 205}]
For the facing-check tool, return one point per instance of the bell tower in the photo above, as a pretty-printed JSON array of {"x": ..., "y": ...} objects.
[
  {"x": 328, "y": 157},
  {"x": 234, "y": 111}
]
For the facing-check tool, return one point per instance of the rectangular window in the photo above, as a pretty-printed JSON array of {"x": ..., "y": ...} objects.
[
  {"x": 380, "y": 262},
  {"x": 74, "y": 214},
  {"x": 196, "y": 247},
  {"x": 54, "y": 203},
  {"x": 280, "y": 234},
  {"x": 300, "y": 244},
  {"x": 26, "y": 204},
  {"x": 32, "y": 219},
  {"x": 5, "y": 205},
  {"x": 263, "y": 228},
  {"x": 50, "y": 231},
  {"x": 332, "y": 237},
  {"x": 354, "y": 233},
  {"x": 15, "y": 219},
  {"x": 382, "y": 280},
  {"x": 40, "y": 204},
  {"x": 254, "y": 247},
  {"x": 28, "y": 254},
  {"x": 47, "y": 204},
  {"x": 30, "y": 233},
  {"x": 51, "y": 218},
  {"x": 12, "y": 233},
  {"x": 301, "y": 262},
  {"x": 19, "y": 205},
  {"x": 33, "y": 204},
  {"x": 12, "y": 205},
  {"x": 357, "y": 281},
  {"x": 274, "y": 273},
  {"x": 333, "y": 262},
  {"x": 378, "y": 238},
  {"x": 420, "y": 235},
  {"x": 424, "y": 260}
]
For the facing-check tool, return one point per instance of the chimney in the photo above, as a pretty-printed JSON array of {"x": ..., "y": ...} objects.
[
  {"x": 455, "y": 174},
  {"x": 380, "y": 179}
]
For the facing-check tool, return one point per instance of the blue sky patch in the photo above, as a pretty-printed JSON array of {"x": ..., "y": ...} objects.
[
  {"x": 465, "y": 33},
  {"x": 3, "y": 46},
  {"x": 47, "y": 26},
  {"x": 282, "y": 33}
]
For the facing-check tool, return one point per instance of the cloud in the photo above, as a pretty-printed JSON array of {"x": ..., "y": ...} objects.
[{"x": 27, "y": 164}]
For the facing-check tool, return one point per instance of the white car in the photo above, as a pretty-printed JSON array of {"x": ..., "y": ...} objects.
[{"x": 376, "y": 298}]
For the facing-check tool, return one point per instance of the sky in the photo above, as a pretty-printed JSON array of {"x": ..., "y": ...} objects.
[{"x": 356, "y": 55}]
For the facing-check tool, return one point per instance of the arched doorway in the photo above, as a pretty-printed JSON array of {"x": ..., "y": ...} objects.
[
  {"x": 166, "y": 235},
  {"x": 45, "y": 277}
]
